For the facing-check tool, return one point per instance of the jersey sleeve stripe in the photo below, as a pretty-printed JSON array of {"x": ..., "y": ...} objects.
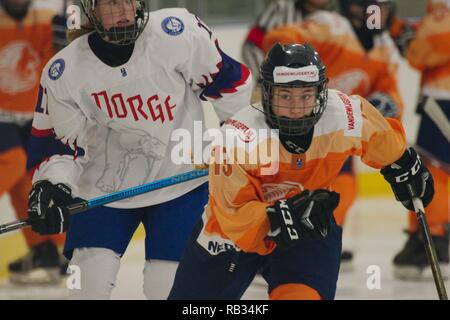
[
  {"x": 231, "y": 75},
  {"x": 44, "y": 144}
]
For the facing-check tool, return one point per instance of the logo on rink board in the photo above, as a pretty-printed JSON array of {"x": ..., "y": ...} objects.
[
  {"x": 172, "y": 26},
  {"x": 57, "y": 69}
]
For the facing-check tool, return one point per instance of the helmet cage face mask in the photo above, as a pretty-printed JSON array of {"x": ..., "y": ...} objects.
[
  {"x": 288, "y": 126},
  {"x": 288, "y": 69},
  {"x": 125, "y": 35}
]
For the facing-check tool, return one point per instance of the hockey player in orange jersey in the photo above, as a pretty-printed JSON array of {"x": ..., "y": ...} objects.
[
  {"x": 25, "y": 47},
  {"x": 360, "y": 61},
  {"x": 402, "y": 31},
  {"x": 277, "y": 13},
  {"x": 282, "y": 220},
  {"x": 429, "y": 52}
]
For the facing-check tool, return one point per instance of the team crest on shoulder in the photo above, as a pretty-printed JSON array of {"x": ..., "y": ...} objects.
[
  {"x": 172, "y": 26},
  {"x": 56, "y": 69}
]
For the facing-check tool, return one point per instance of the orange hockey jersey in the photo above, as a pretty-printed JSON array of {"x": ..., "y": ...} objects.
[
  {"x": 430, "y": 50},
  {"x": 350, "y": 68},
  {"x": 25, "y": 48},
  {"x": 235, "y": 216}
]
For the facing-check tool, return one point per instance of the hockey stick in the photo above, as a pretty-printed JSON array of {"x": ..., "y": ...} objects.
[
  {"x": 116, "y": 196},
  {"x": 429, "y": 246}
]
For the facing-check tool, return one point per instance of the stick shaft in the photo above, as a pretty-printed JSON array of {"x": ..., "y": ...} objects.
[
  {"x": 116, "y": 196},
  {"x": 430, "y": 249}
]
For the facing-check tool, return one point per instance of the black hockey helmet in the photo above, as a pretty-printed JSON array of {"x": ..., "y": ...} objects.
[
  {"x": 119, "y": 35},
  {"x": 16, "y": 9},
  {"x": 360, "y": 14},
  {"x": 293, "y": 66}
]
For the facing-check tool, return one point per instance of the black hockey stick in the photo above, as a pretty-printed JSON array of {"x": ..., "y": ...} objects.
[{"x": 429, "y": 246}]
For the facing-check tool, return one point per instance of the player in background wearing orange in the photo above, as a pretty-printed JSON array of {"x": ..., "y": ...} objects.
[
  {"x": 276, "y": 14},
  {"x": 429, "y": 52},
  {"x": 360, "y": 61},
  {"x": 282, "y": 220},
  {"x": 402, "y": 30},
  {"x": 25, "y": 47}
]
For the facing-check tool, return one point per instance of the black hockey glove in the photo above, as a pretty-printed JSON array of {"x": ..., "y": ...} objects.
[
  {"x": 409, "y": 178},
  {"x": 306, "y": 216},
  {"x": 47, "y": 211}
]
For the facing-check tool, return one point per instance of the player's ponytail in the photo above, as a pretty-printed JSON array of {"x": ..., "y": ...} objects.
[{"x": 76, "y": 33}]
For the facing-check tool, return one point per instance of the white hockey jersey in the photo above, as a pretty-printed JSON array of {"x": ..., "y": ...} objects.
[{"x": 101, "y": 129}]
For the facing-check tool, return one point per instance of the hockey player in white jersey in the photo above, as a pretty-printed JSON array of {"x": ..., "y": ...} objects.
[{"x": 107, "y": 106}]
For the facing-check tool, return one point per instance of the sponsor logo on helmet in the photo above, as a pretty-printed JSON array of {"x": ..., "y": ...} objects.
[
  {"x": 286, "y": 74},
  {"x": 172, "y": 26},
  {"x": 56, "y": 69}
]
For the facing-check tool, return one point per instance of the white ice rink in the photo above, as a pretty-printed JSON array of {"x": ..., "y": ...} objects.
[{"x": 373, "y": 232}]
